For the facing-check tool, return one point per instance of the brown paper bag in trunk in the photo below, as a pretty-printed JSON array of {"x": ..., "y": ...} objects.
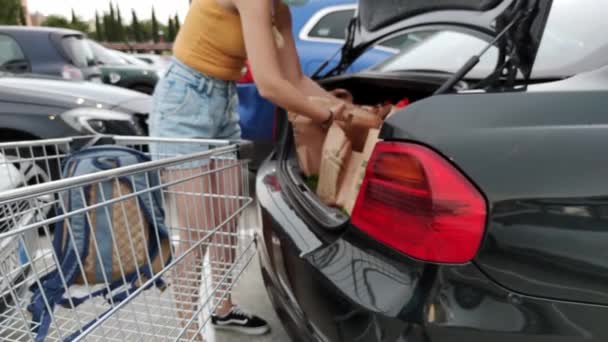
[
  {"x": 309, "y": 138},
  {"x": 336, "y": 150},
  {"x": 355, "y": 172},
  {"x": 357, "y": 120}
]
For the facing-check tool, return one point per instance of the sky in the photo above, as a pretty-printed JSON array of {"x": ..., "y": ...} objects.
[{"x": 86, "y": 8}]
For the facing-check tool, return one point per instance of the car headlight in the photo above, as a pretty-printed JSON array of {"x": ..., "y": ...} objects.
[{"x": 98, "y": 121}]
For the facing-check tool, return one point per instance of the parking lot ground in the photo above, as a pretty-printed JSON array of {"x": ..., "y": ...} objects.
[
  {"x": 251, "y": 294},
  {"x": 151, "y": 310}
]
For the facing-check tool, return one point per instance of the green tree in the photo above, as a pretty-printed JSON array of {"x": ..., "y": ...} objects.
[
  {"x": 112, "y": 36},
  {"x": 178, "y": 25},
  {"x": 22, "y": 15},
  {"x": 170, "y": 31},
  {"x": 120, "y": 29},
  {"x": 56, "y": 21},
  {"x": 98, "y": 28},
  {"x": 136, "y": 28},
  {"x": 155, "y": 27},
  {"x": 10, "y": 12},
  {"x": 107, "y": 27},
  {"x": 74, "y": 18},
  {"x": 78, "y": 24}
]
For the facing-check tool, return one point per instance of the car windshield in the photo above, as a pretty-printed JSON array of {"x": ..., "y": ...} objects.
[
  {"x": 106, "y": 56},
  {"x": 132, "y": 60},
  {"x": 572, "y": 43},
  {"x": 78, "y": 50}
]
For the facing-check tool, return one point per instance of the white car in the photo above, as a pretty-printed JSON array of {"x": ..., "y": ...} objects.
[{"x": 17, "y": 251}]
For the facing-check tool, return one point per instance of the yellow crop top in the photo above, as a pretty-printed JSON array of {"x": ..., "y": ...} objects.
[{"x": 211, "y": 41}]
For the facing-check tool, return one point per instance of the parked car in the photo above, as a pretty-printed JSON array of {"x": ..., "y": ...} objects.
[
  {"x": 32, "y": 108},
  {"x": 319, "y": 28},
  {"x": 160, "y": 62},
  {"x": 482, "y": 213},
  {"x": 47, "y": 51},
  {"x": 14, "y": 257},
  {"x": 121, "y": 71}
]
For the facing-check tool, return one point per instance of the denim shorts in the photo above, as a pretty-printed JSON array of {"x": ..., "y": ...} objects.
[{"x": 189, "y": 104}]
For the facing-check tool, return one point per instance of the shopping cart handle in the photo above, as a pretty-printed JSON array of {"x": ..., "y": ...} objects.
[{"x": 245, "y": 150}]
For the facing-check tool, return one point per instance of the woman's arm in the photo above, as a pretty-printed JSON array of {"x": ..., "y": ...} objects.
[
  {"x": 256, "y": 19},
  {"x": 289, "y": 59}
]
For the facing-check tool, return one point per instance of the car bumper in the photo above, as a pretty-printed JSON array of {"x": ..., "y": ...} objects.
[{"x": 346, "y": 287}]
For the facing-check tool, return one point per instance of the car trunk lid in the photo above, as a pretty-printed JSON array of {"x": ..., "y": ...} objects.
[
  {"x": 377, "y": 20},
  {"x": 380, "y": 19}
]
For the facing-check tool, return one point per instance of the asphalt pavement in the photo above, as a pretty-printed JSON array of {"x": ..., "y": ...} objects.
[
  {"x": 251, "y": 294},
  {"x": 151, "y": 310}
]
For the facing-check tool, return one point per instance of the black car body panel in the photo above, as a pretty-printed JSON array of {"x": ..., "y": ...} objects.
[
  {"x": 543, "y": 240},
  {"x": 353, "y": 289},
  {"x": 66, "y": 94},
  {"x": 30, "y": 107}
]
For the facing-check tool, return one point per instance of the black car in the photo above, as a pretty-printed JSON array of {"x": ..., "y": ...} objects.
[
  {"x": 33, "y": 107},
  {"x": 483, "y": 212},
  {"x": 47, "y": 51}
]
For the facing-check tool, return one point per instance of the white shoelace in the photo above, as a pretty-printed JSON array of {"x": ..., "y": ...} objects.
[{"x": 240, "y": 312}]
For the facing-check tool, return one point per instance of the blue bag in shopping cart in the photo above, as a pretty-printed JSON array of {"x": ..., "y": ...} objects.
[{"x": 120, "y": 245}]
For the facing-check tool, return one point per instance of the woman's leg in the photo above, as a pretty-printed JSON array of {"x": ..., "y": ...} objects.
[
  {"x": 227, "y": 186},
  {"x": 191, "y": 208}
]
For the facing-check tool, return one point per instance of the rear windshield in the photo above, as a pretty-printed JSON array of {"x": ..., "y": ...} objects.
[
  {"x": 573, "y": 42},
  {"x": 78, "y": 51}
]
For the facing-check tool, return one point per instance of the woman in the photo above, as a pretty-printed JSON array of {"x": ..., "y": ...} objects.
[{"x": 197, "y": 98}]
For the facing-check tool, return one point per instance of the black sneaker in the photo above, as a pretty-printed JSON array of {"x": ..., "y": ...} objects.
[{"x": 240, "y": 321}]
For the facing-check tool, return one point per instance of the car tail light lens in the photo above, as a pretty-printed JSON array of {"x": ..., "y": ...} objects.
[
  {"x": 416, "y": 202},
  {"x": 70, "y": 72},
  {"x": 247, "y": 75}
]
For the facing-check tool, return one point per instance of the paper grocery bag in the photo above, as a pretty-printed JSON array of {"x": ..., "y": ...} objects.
[
  {"x": 345, "y": 200},
  {"x": 355, "y": 172},
  {"x": 336, "y": 150},
  {"x": 309, "y": 139},
  {"x": 357, "y": 121},
  {"x": 354, "y": 116}
]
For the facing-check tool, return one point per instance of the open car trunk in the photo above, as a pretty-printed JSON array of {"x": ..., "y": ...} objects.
[
  {"x": 367, "y": 89},
  {"x": 517, "y": 25}
]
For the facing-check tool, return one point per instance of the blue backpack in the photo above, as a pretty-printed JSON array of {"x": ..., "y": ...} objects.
[{"x": 115, "y": 244}]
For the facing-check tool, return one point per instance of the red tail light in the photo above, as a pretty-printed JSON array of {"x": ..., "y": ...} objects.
[
  {"x": 416, "y": 202},
  {"x": 247, "y": 75}
]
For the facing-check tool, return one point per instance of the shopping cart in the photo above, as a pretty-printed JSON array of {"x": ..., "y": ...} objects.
[{"x": 203, "y": 195}]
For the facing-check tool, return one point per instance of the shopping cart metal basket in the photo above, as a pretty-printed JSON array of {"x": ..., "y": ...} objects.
[{"x": 203, "y": 196}]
